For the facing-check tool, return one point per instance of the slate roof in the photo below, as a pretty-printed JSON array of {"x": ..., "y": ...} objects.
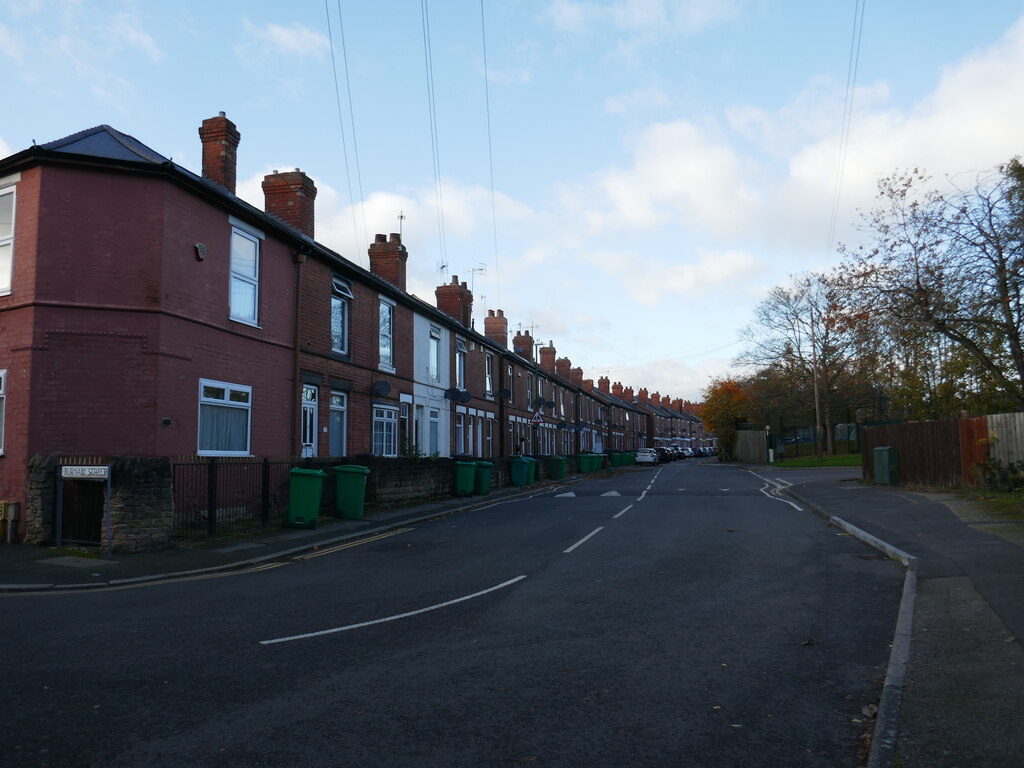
[{"x": 104, "y": 141}]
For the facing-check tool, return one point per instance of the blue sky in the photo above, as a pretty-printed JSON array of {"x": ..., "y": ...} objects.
[{"x": 657, "y": 166}]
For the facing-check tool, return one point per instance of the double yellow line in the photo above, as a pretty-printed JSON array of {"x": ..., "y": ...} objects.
[
  {"x": 350, "y": 544},
  {"x": 218, "y": 574}
]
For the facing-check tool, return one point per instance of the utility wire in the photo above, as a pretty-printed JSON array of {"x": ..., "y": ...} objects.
[
  {"x": 844, "y": 137},
  {"x": 352, "y": 122},
  {"x": 490, "y": 155},
  {"x": 429, "y": 66},
  {"x": 341, "y": 128}
]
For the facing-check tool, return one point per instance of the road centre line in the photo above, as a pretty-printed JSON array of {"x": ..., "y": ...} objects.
[
  {"x": 616, "y": 517},
  {"x": 592, "y": 533},
  {"x": 406, "y": 615}
]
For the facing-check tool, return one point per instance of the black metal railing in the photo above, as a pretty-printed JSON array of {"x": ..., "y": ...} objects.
[{"x": 216, "y": 496}]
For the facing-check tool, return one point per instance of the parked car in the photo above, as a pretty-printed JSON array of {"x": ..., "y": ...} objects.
[{"x": 647, "y": 456}]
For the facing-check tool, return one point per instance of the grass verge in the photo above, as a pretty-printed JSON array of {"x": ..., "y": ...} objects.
[{"x": 839, "y": 460}]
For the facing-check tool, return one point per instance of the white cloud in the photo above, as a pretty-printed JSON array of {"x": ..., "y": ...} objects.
[
  {"x": 295, "y": 39},
  {"x": 643, "y": 17},
  {"x": 650, "y": 97}
]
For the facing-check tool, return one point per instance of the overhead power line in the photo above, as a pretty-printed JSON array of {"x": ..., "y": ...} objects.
[
  {"x": 341, "y": 129},
  {"x": 490, "y": 155},
  {"x": 429, "y": 66},
  {"x": 844, "y": 134}
]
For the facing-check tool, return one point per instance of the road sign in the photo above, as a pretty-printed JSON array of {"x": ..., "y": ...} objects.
[{"x": 537, "y": 418}]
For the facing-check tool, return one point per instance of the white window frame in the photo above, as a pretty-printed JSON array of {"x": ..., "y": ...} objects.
[
  {"x": 387, "y": 363},
  {"x": 208, "y": 401},
  {"x": 434, "y": 354},
  {"x": 460, "y": 435},
  {"x": 339, "y": 404},
  {"x": 434, "y": 432},
  {"x": 7, "y": 241},
  {"x": 341, "y": 298},
  {"x": 511, "y": 385},
  {"x": 489, "y": 375},
  {"x": 460, "y": 363},
  {"x": 3, "y": 407},
  {"x": 242, "y": 277},
  {"x": 385, "y": 430}
]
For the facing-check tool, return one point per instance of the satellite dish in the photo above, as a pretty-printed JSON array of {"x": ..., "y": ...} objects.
[
  {"x": 451, "y": 394},
  {"x": 381, "y": 388},
  {"x": 538, "y": 402},
  {"x": 561, "y": 425},
  {"x": 504, "y": 394},
  {"x": 549, "y": 404},
  {"x": 465, "y": 396}
]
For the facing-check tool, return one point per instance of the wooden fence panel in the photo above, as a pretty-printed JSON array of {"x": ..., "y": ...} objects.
[
  {"x": 929, "y": 451},
  {"x": 1006, "y": 437},
  {"x": 974, "y": 446}
]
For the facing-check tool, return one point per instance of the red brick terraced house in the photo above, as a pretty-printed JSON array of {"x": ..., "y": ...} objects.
[{"x": 147, "y": 311}]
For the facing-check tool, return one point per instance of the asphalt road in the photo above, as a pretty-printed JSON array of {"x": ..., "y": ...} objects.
[{"x": 672, "y": 616}]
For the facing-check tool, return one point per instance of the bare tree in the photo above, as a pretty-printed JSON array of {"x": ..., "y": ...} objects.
[
  {"x": 950, "y": 263},
  {"x": 805, "y": 331}
]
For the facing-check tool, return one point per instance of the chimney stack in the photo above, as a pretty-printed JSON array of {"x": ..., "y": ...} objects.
[
  {"x": 628, "y": 394},
  {"x": 576, "y": 377},
  {"x": 656, "y": 400},
  {"x": 456, "y": 301},
  {"x": 220, "y": 140},
  {"x": 642, "y": 394},
  {"x": 547, "y": 357},
  {"x": 496, "y": 327},
  {"x": 603, "y": 384},
  {"x": 289, "y": 196},
  {"x": 588, "y": 385},
  {"x": 387, "y": 259},
  {"x": 522, "y": 344},
  {"x": 562, "y": 367},
  {"x": 617, "y": 389}
]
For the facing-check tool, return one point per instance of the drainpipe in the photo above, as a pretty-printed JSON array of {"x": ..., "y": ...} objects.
[{"x": 300, "y": 259}]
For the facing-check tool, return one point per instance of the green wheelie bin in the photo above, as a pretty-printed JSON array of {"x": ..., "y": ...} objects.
[
  {"x": 465, "y": 473},
  {"x": 556, "y": 467},
  {"x": 520, "y": 468},
  {"x": 304, "y": 489},
  {"x": 482, "y": 478},
  {"x": 350, "y": 491}
]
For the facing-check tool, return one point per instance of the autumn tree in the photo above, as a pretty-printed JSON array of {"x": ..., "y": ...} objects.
[
  {"x": 725, "y": 404},
  {"x": 807, "y": 333},
  {"x": 952, "y": 265}
]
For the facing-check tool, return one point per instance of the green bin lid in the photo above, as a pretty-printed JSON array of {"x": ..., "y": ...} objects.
[
  {"x": 466, "y": 463},
  {"x": 355, "y": 468},
  {"x": 484, "y": 464},
  {"x": 301, "y": 471}
]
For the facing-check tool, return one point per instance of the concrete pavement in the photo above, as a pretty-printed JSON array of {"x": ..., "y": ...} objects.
[{"x": 964, "y": 685}]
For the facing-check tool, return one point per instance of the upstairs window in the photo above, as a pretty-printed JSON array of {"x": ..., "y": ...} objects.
[
  {"x": 245, "y": 276},
  {"x": 387, "y": 347},
  {"x": 460, "y": 363},
  {"x": 6, "y": 238},
  {"x": 341, "y": 295},
  {"x": 489, "y": 375},
  {"x": 434, "y": 355}
]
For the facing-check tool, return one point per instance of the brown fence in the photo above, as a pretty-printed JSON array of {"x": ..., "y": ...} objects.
[{"x": 946, "y": 454}]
